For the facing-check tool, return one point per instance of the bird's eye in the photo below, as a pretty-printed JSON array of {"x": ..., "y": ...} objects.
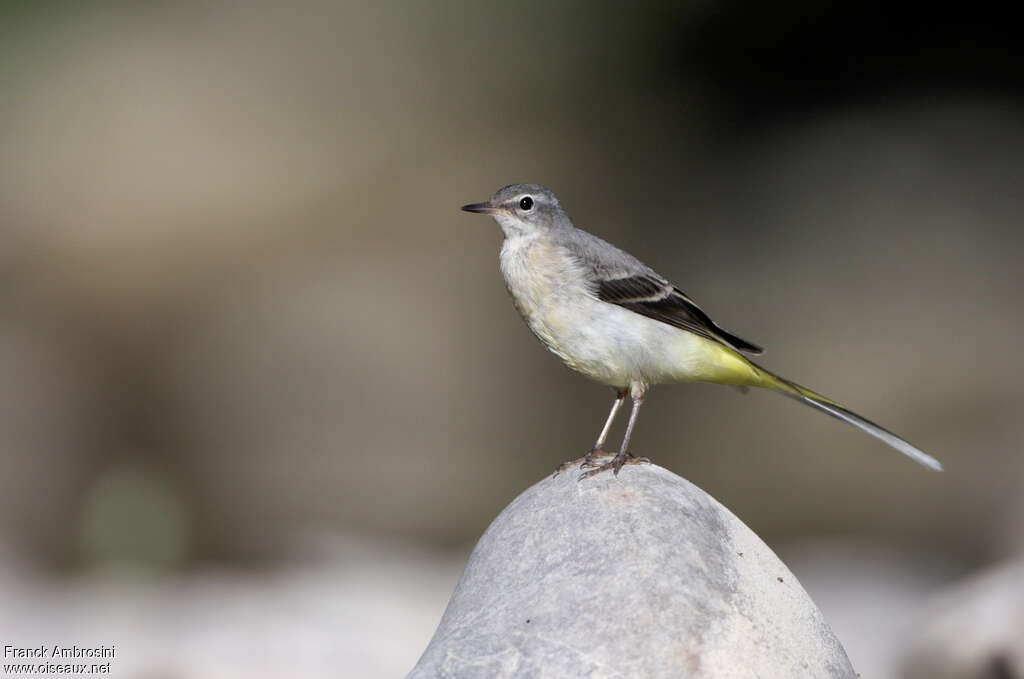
[{"x": 526, "y": 203}]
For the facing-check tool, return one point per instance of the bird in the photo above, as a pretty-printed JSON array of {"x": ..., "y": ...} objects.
[{"x": 614, "y": 319}]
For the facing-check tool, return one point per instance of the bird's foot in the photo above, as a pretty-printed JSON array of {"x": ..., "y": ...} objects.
[
  {"x": 615, "y": 464},
  {"x": 587, "y": 459}
]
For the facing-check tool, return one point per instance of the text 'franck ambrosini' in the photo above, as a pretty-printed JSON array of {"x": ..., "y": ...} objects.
[{"x": 58, "y": 651}]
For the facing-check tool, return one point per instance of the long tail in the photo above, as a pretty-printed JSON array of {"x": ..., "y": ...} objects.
[{"x": 804, "y": 395}]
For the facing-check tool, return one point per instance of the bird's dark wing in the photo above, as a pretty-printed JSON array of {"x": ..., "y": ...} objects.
[{"x": 658, "y": 299}]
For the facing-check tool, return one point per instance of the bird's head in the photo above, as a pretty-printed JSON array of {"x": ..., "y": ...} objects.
[{"x": 523, "y": 209}]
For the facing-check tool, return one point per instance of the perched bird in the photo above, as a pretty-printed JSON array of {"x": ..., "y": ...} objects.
[{"x": 611, "y": 317}]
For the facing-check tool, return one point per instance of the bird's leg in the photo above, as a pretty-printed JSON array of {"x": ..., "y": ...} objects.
[
  {"x": 597, "y": 451},
  {"x": 624, "y": 457},
  {"x": 619, "y": 399}
]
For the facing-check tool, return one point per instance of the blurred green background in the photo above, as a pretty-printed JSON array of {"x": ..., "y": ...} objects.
[{"x": 252, "y": 353}]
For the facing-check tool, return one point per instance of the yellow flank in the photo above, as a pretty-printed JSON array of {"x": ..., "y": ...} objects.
[
  {"x": 722, "y": 365},
  {"x": 717, "y": 363}
]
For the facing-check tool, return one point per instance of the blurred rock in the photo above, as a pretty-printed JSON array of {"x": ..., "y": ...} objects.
[
  {"x": 973, "y": 630},
  {"x": 342, "y": 605},
  {"x": 640, "y": 575},
  {"x": 871, "y": 593}
]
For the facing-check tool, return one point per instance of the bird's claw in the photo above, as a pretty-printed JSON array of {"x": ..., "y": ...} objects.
[
  {"x": 585, "y": 461},
  {"x": 615, "y": 464}
]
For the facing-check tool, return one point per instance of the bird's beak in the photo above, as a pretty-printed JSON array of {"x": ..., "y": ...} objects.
[{"x": 484, "y": 208}]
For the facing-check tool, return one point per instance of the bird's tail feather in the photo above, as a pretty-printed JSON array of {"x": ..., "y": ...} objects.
[{"x": 830, "y": 407}]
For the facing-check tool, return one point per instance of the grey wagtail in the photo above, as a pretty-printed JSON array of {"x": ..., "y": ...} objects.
[{"x": 611, "y": 317}]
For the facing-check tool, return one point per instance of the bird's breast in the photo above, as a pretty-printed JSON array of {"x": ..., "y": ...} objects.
[
  {"x": 543, "y": 282},
  {"x": 551, "y": 293}
]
